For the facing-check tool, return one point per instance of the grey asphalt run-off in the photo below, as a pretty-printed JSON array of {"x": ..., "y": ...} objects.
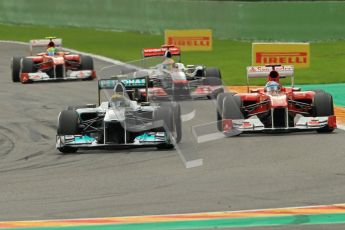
[{"x": 245, "y": 172}]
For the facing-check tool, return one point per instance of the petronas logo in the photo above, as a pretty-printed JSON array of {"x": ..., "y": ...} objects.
[{"x": 134, "y": 82}]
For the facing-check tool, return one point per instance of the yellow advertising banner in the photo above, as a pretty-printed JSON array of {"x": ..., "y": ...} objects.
[
  {"x": 190, "y": 40},
  {"x": 296, "y": 54}
]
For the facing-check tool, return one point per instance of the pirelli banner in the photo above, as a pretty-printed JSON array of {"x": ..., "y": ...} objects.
[
  {"x": 296, "y": 54},
  {"x": 190, "y": 40}
]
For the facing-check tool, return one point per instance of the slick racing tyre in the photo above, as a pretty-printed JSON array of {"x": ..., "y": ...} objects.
[
  {"x": 212, "y": 81},
  {"x": 15, "y": 67},
  {"x": 68, "y": 125},
  {"x": 86, "y": 62},
  {"x": 323, "y": 106},
  {"x": 28, "y": 65},
  {"x": 213, "y": 78},
  {"x": 231, "y": 108},
  {"x": 213, "y": 72},
  {"x": 177, "y": 122},
  {"x": 220, "y": 99},
  {"x": 164, "y": 114}
]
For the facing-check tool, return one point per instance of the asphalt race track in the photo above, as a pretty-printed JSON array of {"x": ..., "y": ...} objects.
[{"x": 245, "y": 172}]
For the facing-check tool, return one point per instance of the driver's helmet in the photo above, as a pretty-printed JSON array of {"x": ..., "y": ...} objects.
[
  {"x": 272, "y": 87},
  {"x": 168, "y": 54},
  {"x": 119, "y": 100},
  {"x": 168, "y": 62},
  {"x": 51, "y": 51}
]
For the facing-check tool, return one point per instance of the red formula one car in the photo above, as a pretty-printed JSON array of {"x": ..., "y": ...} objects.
[
  {"x": 191, "y": 81},
  {"x": 275, "y": 107},
  {"x": 51, "y": 65}
]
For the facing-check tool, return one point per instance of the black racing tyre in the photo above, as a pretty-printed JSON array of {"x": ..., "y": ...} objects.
[
  {"x": 219, "y": 105},
  {"x": 212, "y": 81},
  {"x": 165, "y": 146},
  {"x": 215, "y": 93},
  {"x": 213, "y": 72},
  {"x": 164, "y": 114},
  {"x": 86, "y": 62},
  {"x": 231, "y": 108},
  {"x": 68, "y": 125},
  {"x": 177, "y": 122},
  {"x": 323, "y": 106},
  {"x": 15, "y": 67},
  {"x": 67, "y": 149},
  {"x": 28, "y": 65}
]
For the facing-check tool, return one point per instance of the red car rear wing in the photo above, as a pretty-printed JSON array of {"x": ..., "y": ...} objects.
[
  {"x": 264, "y": 71},
  {"x": 153, "y": 52},
  {"x": 271, "y": 72}
]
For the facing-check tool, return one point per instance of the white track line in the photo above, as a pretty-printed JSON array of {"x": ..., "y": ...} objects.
[{"x": 342, "y": 127}]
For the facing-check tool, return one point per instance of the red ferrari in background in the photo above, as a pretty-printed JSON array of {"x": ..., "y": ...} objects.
[
  {"x": 274, "y": 107},
  {"x": 50, "y": 66}
]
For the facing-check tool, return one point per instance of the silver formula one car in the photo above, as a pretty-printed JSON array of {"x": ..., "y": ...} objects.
[
  {"x": 193, "y": 81},
  {"x": 121, "y": 121}
]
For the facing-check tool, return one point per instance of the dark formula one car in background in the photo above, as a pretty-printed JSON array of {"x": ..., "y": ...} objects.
[
  {"x": 275, "y": 107},
  {"x": 191, "y": 81},
  {"x": 120, "y": 121},
  {"x": 50, "y": 66}
]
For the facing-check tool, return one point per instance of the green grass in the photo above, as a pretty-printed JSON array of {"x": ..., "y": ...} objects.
[{"x": 327, "y": 58}]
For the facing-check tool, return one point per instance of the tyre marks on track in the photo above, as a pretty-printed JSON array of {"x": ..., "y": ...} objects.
[
  {"x": 24, "y": 145},
  {"x": 6, "y": 143}
]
